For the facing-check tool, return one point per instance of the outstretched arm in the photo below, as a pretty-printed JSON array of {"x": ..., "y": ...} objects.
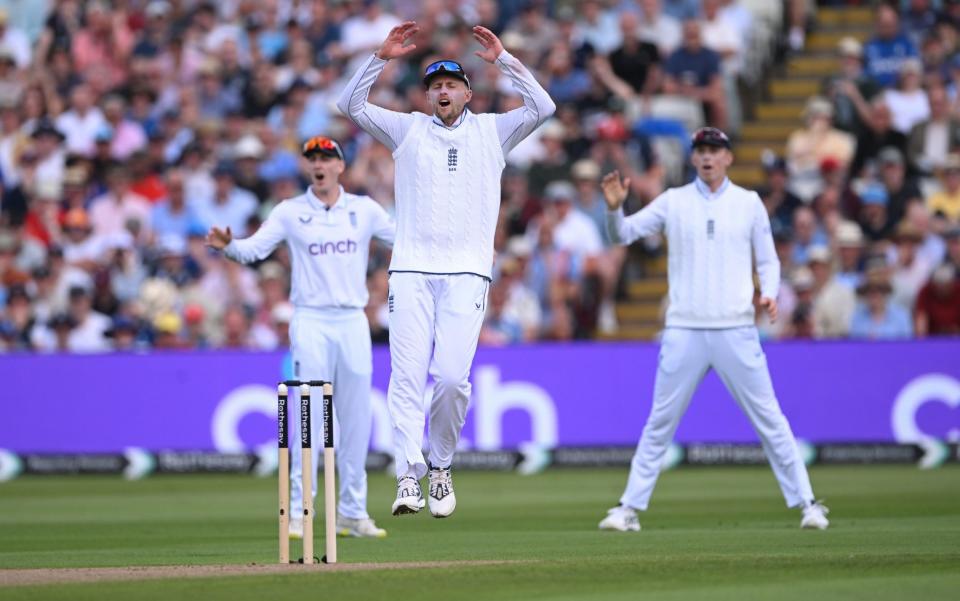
[
  {"x": 389, "y": 127},
  {"x": 256, "y": 247},
  {"x": 514, "y": 126},
  {"x": 645, "y": 222}
]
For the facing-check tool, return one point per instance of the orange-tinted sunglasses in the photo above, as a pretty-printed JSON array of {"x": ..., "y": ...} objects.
[{"x": 323, "y": 145}]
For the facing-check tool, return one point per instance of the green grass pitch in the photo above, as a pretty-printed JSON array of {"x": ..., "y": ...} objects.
[{"x": 711, "y": 533}]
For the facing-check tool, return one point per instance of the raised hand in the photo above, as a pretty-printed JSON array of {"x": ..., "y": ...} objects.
[
  {"x": 492, "y": 47},
  {"x": 393, "y": 46},
  {"x": 218, "y": 238},
  {"x": 614, "y": 189}
]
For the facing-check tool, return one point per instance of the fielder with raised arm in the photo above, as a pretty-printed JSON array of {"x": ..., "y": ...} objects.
[
  {"x": 448, "y": 168},
  {"x": 328, "y": 232},
  {"x": 715, "y": 230}
]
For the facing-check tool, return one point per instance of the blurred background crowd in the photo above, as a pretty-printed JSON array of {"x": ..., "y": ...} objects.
[{"x": 128, "y": 128}]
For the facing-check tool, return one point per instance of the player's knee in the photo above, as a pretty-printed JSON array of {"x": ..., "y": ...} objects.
[{"x": 449, "y": 380}]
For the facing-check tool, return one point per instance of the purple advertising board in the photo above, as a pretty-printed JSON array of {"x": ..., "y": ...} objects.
[{"x": 552, "y": 395}]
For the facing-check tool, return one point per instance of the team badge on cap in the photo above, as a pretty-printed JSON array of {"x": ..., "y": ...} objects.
[{"x": 709, "y": 136}]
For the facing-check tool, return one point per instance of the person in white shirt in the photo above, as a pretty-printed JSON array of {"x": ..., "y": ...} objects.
[
  {"x": 328, "y": 233},
  {"x": 447, "y": 194},
  {"x": 714, "y": 230}
]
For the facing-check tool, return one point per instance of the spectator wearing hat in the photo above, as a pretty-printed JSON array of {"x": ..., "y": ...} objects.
[
  {"x": 850, "y": 90},
  {"x": 815, "y": 142},
  {"x": 876, "y": 317},
  {"x": 167, "y": 331},
  {"x": 931, "y": 140},
  {"x": 902, "y": 186},
  {"x": 848, "y": 241},
  {"x": 945, "y": 204},
  {"x": 693, "y": 71},
  {"x": 952, "y": 238},
  {"x": 908, "y": 101},
  {"x": 230, "y": 206},
  {"x": 81, "y": 248},
  {"x": 889, "y": 48},
  {"x": 50, "y": 156},
  {"x": 118, "y": 208},
  {"x": 18, "y": 316},
  {"x": 937, "y": 311},
  {"x": 833, "y": 301},
  {"x": 555, "y": 163},
  {"x": 55, "y": 335},
  {"x": 875, "y": 220},
  {"x": 910, "y": 271}
]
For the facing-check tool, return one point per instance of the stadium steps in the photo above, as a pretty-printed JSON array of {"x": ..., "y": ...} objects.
[{"x": 775, "y": 118}]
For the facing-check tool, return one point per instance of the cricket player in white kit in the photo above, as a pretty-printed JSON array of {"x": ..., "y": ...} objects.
[
  {"x": 448, "y": 168},
  {"x": 715, "y": 232},
  {"x": 328, "y": 232}
]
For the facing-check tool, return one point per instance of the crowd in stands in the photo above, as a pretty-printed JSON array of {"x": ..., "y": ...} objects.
[{"x": 128, "y": 128}]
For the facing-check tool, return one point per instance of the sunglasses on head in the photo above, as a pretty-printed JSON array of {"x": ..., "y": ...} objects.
[
  {"x": 322, "y": 144},
  {"x": 444, "y": 66}
]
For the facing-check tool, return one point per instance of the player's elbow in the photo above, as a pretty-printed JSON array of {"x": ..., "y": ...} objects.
[
  {"x": 549, "y": 108},
  {"x": 343, "y": 103}
]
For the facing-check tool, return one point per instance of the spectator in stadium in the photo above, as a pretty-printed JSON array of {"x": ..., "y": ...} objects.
[
  {"x": 889, "y": 48},
  {"x": 631, "y": 70},
  {"x": 945, "y": 203},
  {"x": 902, "y": 187},
  {"x": 833, "y": 301},
  {"x": 693, "y": 71},
  {"x": 879, "y": 134},
  {"x": 849, "y": 242},
  {"x": 230, "y": 205},
  {"x": 952, "y": 238},
  {"x": 937, "y": 311},
  {"x": 875, "y": 316},
  {"x": 910, "y": 269},
  {"x": 931, "y": 140},
  {"x": 817, "y": 141},
  {"x": 118, "y": 209},
  {"x": 659, "y": 28},
  {"x": 875, "y": 219},
  {"x": 850, "y": 90},
  {"x": 807, "y": 233},
  {"x": 908, "y": 101},
  {"x": 932, "y": 247}
]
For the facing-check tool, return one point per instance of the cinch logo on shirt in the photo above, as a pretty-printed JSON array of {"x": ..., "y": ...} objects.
[{"x": 342, "y": 247}]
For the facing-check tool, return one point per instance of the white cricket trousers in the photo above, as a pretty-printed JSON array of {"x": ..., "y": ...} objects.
[
  {"x": 333, "y": 345},
  {"x": 434, "y": 327},
  {"x": 736, "y": 355}
]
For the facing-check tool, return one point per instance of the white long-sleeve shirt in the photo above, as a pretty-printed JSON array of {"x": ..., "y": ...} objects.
[
  {"x": 712, "y": 240},
  {"x": 447, "y": 185},
  {"x": 328, "y": 247}
]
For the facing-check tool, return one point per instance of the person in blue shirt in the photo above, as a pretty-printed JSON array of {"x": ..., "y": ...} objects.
[
  {"x": 876, "y": 317},
  {"x": 886, "y": 51}
]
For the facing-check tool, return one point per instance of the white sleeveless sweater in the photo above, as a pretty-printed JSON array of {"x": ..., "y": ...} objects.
[{"x": 447, "y": 196}]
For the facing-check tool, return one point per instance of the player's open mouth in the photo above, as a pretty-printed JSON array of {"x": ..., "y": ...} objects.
[
  {"x": 319, "y": 177},
  {"x": 444, "y": 102}
]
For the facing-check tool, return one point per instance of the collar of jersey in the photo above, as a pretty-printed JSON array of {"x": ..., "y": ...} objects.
[
  {"x": 705, "y": 191},
  {"x": 463, "y": 115},
  {"x": 317, "y": 204}
]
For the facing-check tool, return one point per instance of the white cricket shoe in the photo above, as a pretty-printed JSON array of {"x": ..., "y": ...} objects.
[
  {"x": 409, "y": 496},
  {"x": 442, "y": 499},
  {"x": 815, "y": 516},
  {"x": 359, "y": 527},
  {"x": 622, "y": 519},
  {"x": 296, "y": 528}
]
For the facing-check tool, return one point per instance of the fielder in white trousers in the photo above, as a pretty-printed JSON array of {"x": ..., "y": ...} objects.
[
  {"x": 716, "y": 232},
  {"x": 328, "y": 233},
  {"x": 447, "y": 193}
]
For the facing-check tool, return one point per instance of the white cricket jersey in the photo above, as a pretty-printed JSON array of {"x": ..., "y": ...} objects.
[
  {"x": 712, "y": 241},
  {"x": 447, "y": 184},
  {"x": 328, "y": 247}
]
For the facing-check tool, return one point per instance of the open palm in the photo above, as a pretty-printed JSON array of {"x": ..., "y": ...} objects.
[
  {"x": 393, "y": 46},
  {"x": 492, "y": 47}
]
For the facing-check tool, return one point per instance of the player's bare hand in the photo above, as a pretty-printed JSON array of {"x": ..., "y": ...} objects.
[
  {"x": 770, "y": 306},
  {"x": 218, "y": 238},
  {"x": 614, "y": 189},
  {"x": 393, "y": 46},
  {"x": 492, "y": 46}
]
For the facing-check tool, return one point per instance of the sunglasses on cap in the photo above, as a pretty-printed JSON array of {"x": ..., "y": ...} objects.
[
  {"x": 445, "y": 67},
  {"x": 323, "y": 145}
]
